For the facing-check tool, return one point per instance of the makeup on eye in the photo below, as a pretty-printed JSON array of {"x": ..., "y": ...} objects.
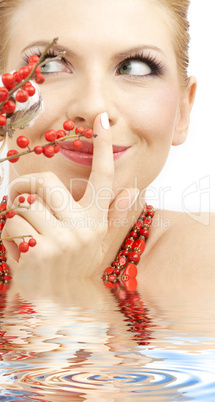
[
  {"x": 140, "y": 65},
  {"x": 53, "y": 62}
]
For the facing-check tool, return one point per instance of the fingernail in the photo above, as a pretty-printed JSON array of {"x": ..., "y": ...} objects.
[
  {"x": 105, "y": 121},
  {"x": 135, "y": 198}
]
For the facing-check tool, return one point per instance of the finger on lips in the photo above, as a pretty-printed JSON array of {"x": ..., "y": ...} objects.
[{"x": 102, "y": 172}]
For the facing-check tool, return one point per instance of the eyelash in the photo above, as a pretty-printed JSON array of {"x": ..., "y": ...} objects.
[
  {"x": 155, "y": 65},
  {"x": 50, "y": 54}
]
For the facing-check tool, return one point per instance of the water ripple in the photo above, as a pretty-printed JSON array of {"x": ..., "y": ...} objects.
[{"x": 148, "y": 382}]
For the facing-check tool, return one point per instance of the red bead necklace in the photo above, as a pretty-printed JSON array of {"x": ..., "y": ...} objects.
[
  {"x": 124, "y": 267},
  {"x": 4, "y": 268},
  {"x": 128, "y": 257}
]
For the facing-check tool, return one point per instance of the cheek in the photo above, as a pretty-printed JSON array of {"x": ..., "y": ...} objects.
[{"x": 153, "y": 116}]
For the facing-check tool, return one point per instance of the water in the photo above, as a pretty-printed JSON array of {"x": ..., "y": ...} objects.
[{"x": 105, "y": 347}]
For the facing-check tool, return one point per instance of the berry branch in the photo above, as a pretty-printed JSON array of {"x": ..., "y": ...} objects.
[
  {"x": 34, "y": 67},
  {"x": 17, "y": 89}
]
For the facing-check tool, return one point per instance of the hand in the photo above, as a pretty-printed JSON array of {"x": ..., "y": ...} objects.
[{"x": 71, "y": 241}]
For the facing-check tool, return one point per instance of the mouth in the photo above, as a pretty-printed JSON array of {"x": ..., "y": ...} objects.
[{"x": 84, "y": 155}]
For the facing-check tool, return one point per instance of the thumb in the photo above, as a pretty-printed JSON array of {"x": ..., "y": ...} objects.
[
  {"x": 119, "y": 209},
  {"x": 123, "y": 202}
]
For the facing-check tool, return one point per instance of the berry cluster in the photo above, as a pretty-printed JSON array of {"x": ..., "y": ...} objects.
[
  {"x": 5, "y": 214},
  {"x": 18, "y": 88},
  {"x": 53, "y": 137}
]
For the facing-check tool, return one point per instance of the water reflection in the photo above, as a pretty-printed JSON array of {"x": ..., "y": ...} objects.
[{"x": 61, "y": 348}]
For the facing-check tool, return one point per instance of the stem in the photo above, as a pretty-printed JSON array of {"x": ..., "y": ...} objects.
[
  {"x": 13, "y": 209},
  {"x": 15, "y": 237},
  {"x": 7, "y": 158},
  {"x": 32, "y": 72},
  {"x": 34, "y": 69},
  {"x": 59, "y": 57}
]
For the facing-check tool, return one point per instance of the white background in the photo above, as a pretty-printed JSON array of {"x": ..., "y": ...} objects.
[
  {"x": 187, "y": 182},
  {"x": 189, "y": 175}
]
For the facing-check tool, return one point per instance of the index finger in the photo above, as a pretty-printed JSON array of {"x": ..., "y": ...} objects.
[{"x": 102, "y": 173}]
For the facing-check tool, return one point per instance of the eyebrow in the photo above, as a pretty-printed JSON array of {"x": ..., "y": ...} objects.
[
  {"x": 70, "y": 53},
  {"x": 57, "y": 47},
  {"x": 138, "y": 49}
]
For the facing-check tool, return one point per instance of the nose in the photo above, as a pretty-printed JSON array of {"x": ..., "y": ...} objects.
[{"x": 91, "y": 94}]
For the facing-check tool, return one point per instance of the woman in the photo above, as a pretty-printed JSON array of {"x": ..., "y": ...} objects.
[{"x": 124, "y": 74}]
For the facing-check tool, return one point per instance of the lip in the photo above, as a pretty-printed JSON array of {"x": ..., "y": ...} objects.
[{"x": 84, "y": 155}]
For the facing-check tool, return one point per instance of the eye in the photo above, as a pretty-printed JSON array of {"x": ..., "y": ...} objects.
[
  {"x": 135, "y": 67},
  {"x": 55, "y": 66}
]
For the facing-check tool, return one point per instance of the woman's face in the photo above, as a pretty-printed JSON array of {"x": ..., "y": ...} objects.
[{"x": 119, "y": 59}]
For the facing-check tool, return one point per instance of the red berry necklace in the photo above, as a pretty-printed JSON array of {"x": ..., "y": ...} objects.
[{"x": 128, "y": 257}]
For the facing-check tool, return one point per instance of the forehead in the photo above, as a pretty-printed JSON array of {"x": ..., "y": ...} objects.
[{"x": 92, "y": 23}]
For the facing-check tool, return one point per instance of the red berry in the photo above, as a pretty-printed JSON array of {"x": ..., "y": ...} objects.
[
  {"x": 56, "y": 147},
  {"x": 30, "y": 89},
  {"x": 50, "y": 135},
  {"x": 32, "y": 242},
  {"x": 38, "y": 70},
  {"x": 7, "y": 277},
  {"x": 24, "y": 72},
  {"x": 2, "y": 248},
  {"x": 117, "y": 271},
  {"x": 11, "y": 153},
  {"x": 2, "y": 225},
  {"x": 3, "y": 94},
  {"x": 10, "y": 214},
  {"x": 9, "y": 107},
  {"x": 88, "y": 133},
  {"x": 61, "y": 134},
  {"x": 31, "y": 199},
  {"x": 21, "y": 199},
  {"x": 134, "y": 256},
  {"x": 26, "y": 84},
  {"x": 17, "y": 76},
  {"x": 68, "y": 125},
  {"x": 40, "y": 78},
  {"x": 48, "y": 151},
  {"x": 79, "y": 130},
  {"x": 33, "y": 59},
  {"x": 22, "y": 96},
  {"x": 77, "y": 144},
  {"x": 8, "y": 80},
  {"x": 148, "y": 222},
  {"x": 3, "y": 121},
  {"x": 4, "y": 267},
  {"x": 38, "y": 150},
  {"x": 3, "y": 206},
  {"x": 24, "y": 247},
  {"x": 31, "y": 67},
  {"x": 22, "y": 141}
]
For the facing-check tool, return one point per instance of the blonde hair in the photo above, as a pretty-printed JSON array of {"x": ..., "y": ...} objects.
[
  {"x": 178, "y": 10},
  {"x": 7, "y": 9}
]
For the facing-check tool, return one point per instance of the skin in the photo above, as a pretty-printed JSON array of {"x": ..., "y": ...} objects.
[{"x": 147, "y": 113}]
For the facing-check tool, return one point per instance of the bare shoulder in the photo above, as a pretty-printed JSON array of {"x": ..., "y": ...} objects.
[
  {"x": 191, "y": 229},
  {"x": 182, "y": 240}
]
